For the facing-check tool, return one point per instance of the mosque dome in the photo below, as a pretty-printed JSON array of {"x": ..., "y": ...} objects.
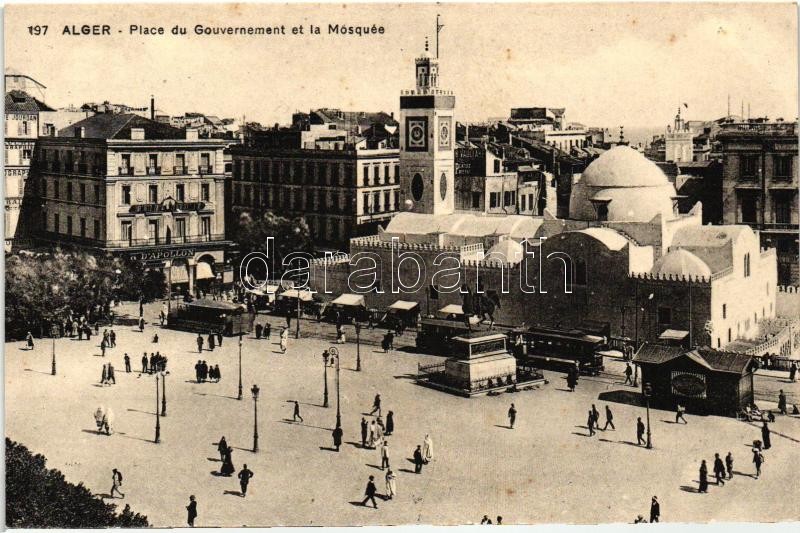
[
  {"x": 681, "y": 263},
  {"x": 622, "y": 186}
]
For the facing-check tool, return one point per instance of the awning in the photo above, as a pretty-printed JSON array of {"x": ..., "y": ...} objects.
[
  {"x": 354, "y": 300},
  {"x": 305, "y": 296},
  {"x": 402, "y": 305},
  {"x": 179, "y": 274},
  {"x": 673, "y": 335},
  {"x": 452, "y": 309},
  {"x": 204, "y": 271}
]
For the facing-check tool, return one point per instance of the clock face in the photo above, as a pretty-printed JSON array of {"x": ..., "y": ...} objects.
[
  {"x": 443, "y": 185},
  {"x": 417, "y": 134}
]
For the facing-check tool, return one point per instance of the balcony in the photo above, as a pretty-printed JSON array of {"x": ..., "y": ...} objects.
[
  {"x": 780, "y": 226},
  {"x": 205, "y": 169},
  {"x": 179, "y": 171},
  {"x": 125, "y": 171},
  {"x": 153, "y": 171},
  {"x": 160, "y": 241}
]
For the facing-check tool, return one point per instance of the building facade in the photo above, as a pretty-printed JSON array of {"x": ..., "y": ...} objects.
[
  {"x": 760, "y": 187},
  {"x": 127, "y": 185}
]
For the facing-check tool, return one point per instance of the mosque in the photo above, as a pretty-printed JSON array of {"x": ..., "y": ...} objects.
[{"x": 625, "y": 261}]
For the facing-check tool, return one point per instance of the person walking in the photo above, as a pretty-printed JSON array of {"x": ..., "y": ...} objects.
[
  {"x": 217, "y": 373},
  {"x": 427, "y": 449},
  {"x": 337, "y": 437},
  {"x": 199, "y": 343},
  {"x": 376, "y": 405},
  {"x": 267, "y": 331},
  {"x": 418, "y": 460},
  {"x": 640, "y": 431},
  {"x": 590, "y": 423},
  {"x": 112, "y": 337},
  {"x": 227, "y": 467},
  {"x": 369, "y": 492},
  {"x": 127, "y": 363},
  {"x": 596, "y": 415},
  {"x": 391, "y": 484},
  {"x": 384, "y": 454},
  {"x": 104, "y": 375},
  {"x": 679, "y": 411},
  {"x": 364, "y": 428},
  {"x": 284, "y": 342},
  {"x": 191, "y": 510},
  {"x": 486, "y": 521},
  {"x": 296, "y": 414},
  {"x": 259, "y": 329},
  {"x": 512, "y": 416},
  {"x": 211, "y": 339},
  {"x": 793, "y": 372},
  {"x": 29, "y": 340},
  {"x": 655, "y": 510},
  {"x": 144, "y": 363},
  {"x": 703, "y": 477},
  {"x": 245, "y": 474},
  {"x": 103, "y": 347},
  {"x": 765, "y": 433},
  {"x": 373, "y": 432},
  {"x": 719, "y": 470},
  {"x": 222, "y": 448},
  {"x": 628, "y": 375},
  {"x": 758, "y": 460},
  {"x": 111, "y": 378},
  {"x": 141, "y": 324},
  {"x": 116, "y": 483},
  {"x": 729, "y": 464},
  {"x": 782, "y": 402},
  {"x": 389, "y": 423},
  {"x": 219, "y": 338},
  {"x": 609, "y": 419}
]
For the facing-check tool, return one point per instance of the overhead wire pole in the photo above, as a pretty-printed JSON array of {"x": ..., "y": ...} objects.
[{"x": 438, "y": 29}]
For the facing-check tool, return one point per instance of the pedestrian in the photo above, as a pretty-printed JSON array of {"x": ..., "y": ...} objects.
[
  {"x": 758, "y": 460},
  {"x": 103, "y": 347},
  {"x": 418, "y": 460},
  {"x": 590, "y": 423},
  {"x": 259, "y": 329},
  {"x": 640, "y": 431},
  {"x": 217, "y": 373},
  {"x": 199, "y": 343},
  {"x": 29, "y": 340},
  {"x": 112, "y": 336},
  {"x": 499, "y": 521},
  {"x": 116, "y": 483},
  {"x": 377, "y": 430},
  {"x": 219, "y": 337},
  {"x": 267, "y": 330},
  {"x": 729, "y": 464},
  {"x": 572, "y": 379},
  {"x": 486, "y": 521},
  {"x": 296, "y": 414},
  {"x": 99, "y": 413},
  {"x": 153, "y": 365},
  {"x": 191, "y": 509},
  {"x": 427, "y": 449},
  {"x": 211, "y": 341},
  {"x": 512, "y": 416},
  {"x": 628, "y": 374},
  {"x": 337, "y": 437},
  {"x": 364, "y": 428},
  {"x": 655, "y": 510},
  {"x": 376, "y": 405},
  {"x": 391, "y": 484},
  {"x": 222, "y": 448},
  {"x": 389, "y": 423},
  {"x": 141, "y": 324},
  {"x": 244, "y": 479},
  {"x": 370, "y": 491},
  {"x": 596, "y": 415},
  {"x": 793, "y": 372},
  {"x": 703, "y": 477},
  {"x": 127, "y": 363},
  {"x": 108, "y": 421},
  {"x": 227, "y": 467},
  {"x": 609, "y": 419},
  {"x": 384, "y": 454},
  {"x": 141, "y": 307},
  {"x": 765, "y": 436},
  {"x": 104, "y": 375},
  {"x": 144, "y": 363},
  {"x": 203, "y": 370},
  {"x": 719, "y": 470},
  {"x": 284, "y": 340},
  {"x": 111, "y": 378},
  {"x": 782, "y": 402},
  {"x": 679, "y": 411}
]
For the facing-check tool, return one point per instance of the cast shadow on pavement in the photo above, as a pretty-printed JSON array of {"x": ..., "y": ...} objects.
[
  {"x": 37, "y": 371},
  {"x": 233, "y": 493},
  {"x": 629, "y": 443},
  {"x": 688, "y": 488},
  {"x": 287, "y": 421}
]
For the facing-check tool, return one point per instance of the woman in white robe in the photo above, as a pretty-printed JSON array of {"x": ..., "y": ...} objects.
[
  {"x": 391, "y": 484},
  {"x": 99, "y": 414},
  {"x": 108, "y": 421},
  {"x": 427, "y": 449}
]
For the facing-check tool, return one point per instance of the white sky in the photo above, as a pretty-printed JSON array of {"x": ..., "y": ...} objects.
[{"x": 608, "y": 64}]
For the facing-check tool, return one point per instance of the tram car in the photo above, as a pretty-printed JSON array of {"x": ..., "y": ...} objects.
[
  {"x": 558, "y": 349},
  {"x": 434, "y": 335}
]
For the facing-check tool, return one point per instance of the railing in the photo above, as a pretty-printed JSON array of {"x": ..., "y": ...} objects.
[
  {"x": 780, "y": 226},
  {"x": 153, "y": 171},
  {"x": 179, "y": 171},
  {"x": 774, "y": 128},
  {"x": 204, "y": 169},
  {"x": 158, "y": 241},
  {"x": 125, "y": 171}
]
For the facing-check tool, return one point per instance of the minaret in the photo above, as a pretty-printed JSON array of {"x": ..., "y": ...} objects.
[
  {"x": 679, "y": 142},
  {"x": 427, "y": 145}
]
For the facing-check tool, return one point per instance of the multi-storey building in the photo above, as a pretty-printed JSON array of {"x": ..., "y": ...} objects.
[
  {"x": 135, "y": 187},
  {"x": 759, "y": 186},
  {"x": 341, "y": 193}
]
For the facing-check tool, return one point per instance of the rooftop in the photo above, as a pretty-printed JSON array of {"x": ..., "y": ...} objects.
[{"x": 118, "y": 126}]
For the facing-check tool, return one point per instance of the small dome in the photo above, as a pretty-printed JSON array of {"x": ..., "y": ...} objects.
[
  {"x": 681, "y": 263},
  {"x": 622, "y": 166},
  {"x": 507, "y": 251}
]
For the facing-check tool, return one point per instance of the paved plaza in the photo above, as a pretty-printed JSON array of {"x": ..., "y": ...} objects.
[{"x": 545, "y": 470}]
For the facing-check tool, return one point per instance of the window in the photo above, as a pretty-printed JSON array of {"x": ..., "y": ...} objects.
[
  {"x": 180, "y": 227},
  {"x": 783, "y": 167},
  {"x": 56, "y": 190},
  {"x": 494, "y": 199},
  {"x": 205, "y": 163},
  {"x": 126, "y": 163},
  {"x": 376, "y": 202},
  {"x": 83, "y": 227},
  {"x": 97, "y": 199},
  {"x": 397, "y": 200},
  {"x": 69, "y": 225},
  {"x": 580, "y": 272},
  {"x": 724, "y": 310},
  {"x": 386, "y": 173},
  {"x": 205, "y": 226},
  {"x": 56, "y": 223},
  {"x": 782, "y": 210},
  {"x": 496, "y": 166},
  {"x": 26, "y": 156},
  {"x": 476, "y": 200},
  {"x": 180, "y": 192},
  {"x": 749, "y": 166},
  {"x": 44, "y": 187},
  {"x": 126, "y": 195},
  {"x": 152, "y": 163},
  {"x": 152, "y": 194},
  {"x": 397, "y": 173},
  {"x": 366, "y": 175},
  {"x": 386, "y": 200},
  {"x": 664, "y": 316},
  {"x": 82, "y": 188},
  {"x": 125, "y": 230},
  {"x": 152, "y": 231},
  {"x": 97, "y": 230},
  {"x": 747, "y": 265},
  {"x": 749, "y": 207},
  {"x": 180, "y": 164},
  {"x": 507, "y": 198},
  {"x": 729, "y": 335},
  {"x": 366, "y": 204},
  {"x": 69, "y": 191},
  {"x": 204, "y": 192},
  {"x": 522, "y": 203}
]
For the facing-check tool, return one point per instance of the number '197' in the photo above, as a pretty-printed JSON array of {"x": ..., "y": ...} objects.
[{"x": 37, "y": 30}]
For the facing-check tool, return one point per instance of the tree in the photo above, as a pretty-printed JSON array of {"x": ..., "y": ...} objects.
[
  {"x": 38, "y": 497},
  {"x": 290, "y": 235}
]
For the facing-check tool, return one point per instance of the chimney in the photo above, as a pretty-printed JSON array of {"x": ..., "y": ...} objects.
[
  {"x": 152, "y": 108},
  {"x": 191, "y": 134},
  {"x": 137, "y": 134},
  {"x": 80, "y": 132}
]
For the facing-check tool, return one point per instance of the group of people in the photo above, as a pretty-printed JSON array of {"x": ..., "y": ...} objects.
[
  {"x": 107, "y": 377},
  {"x": 593, "y": 422},
  {"x": 722, "y": 471},
  {"x": 214, "y": 339},
  {"x": 156, "y": 363},
  {"x": 486, "y": 521},
  {"x": 205, "y": 372},
  {"x": 423, "y": 454},
  {"x": 109, "y": 341},
  {"x": 227, "y": 469},
  {"x": 104, "y": 418},
  {"x": 264, "y": 331}
]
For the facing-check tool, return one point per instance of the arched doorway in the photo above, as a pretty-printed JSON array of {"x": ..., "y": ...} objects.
[{"x": 205, "y": 281}]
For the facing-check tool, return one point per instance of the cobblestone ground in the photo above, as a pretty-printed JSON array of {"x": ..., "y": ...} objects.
[{"x": 544, "y": 470}]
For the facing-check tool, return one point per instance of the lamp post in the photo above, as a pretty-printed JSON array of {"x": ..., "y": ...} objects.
[
  {"x": 163, "y": 394},
  {"x": 240, "y": 367},
  {"x": 325, "y": 356},
  {"x": 335, "y": 353},
  {"x": 648, "y": 391},
  {"x": 158, "y": 419},
  {"x": 168, "y": 266},
  {"x": 53, "y": 333},
  {"x": 255, "y": 391},
  {"x": 358, "y": 347},
  {"x": 297, "y": 324}
]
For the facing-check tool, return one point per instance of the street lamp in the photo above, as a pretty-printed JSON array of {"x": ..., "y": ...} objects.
[
  {"x": 255, "y": 391},
  {"x": 158, "y": 419},
  {"x": 648, "y": 392},
  {"x": 358, "y": 347},
  {"x": 325, "y": 356},
  {"x": 163, "y": 394},
  {"x": 53, "y": 333},
  {"x": 335, "y": 353},
  {"x": 240, "y": 367},
  {"x": 297, "y": 325}
]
